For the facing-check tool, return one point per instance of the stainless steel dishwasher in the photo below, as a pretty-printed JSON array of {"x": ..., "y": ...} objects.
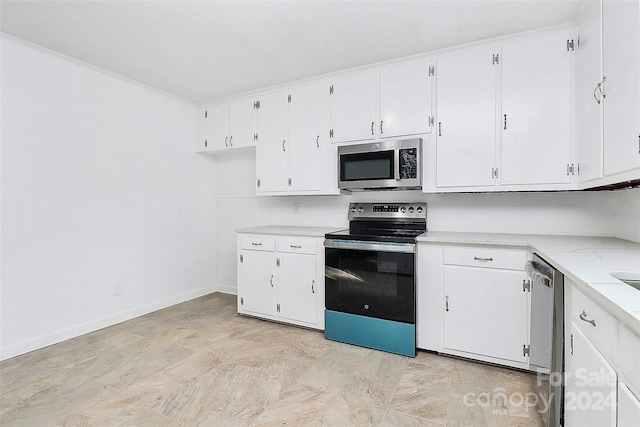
[{"x": 547, "y": 335}]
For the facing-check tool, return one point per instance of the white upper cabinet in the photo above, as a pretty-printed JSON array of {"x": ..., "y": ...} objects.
[
  {"x": 224, "y": 126},
  {"x": 294, "y": 154},
  {"x": 216, "y": 128},
  {"x": 609, "y": 93},
  {"x": 503, "y": 117},
  {"x": 309, "y": 117},
  {"x": 353, "y": 106},
  {"x": 621, "y": 87},
  {"x": 536, "y": 106},
  {"x": 405, "y": 99},
  {"x": 466, "y": 119},
  {"x": 588, "y": 100},
  {"x": 242, "y": 123},
  {"x": 272, "y": 157}
]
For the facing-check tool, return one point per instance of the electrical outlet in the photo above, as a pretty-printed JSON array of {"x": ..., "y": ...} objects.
[{"x": 117, "y": 289}]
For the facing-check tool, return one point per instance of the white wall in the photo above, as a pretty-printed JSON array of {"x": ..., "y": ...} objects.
[
  {"x": 604, "y": 213},
  {"x": 101, "y": 186}
]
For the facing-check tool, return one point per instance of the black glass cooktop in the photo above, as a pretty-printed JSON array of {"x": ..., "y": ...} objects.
[{"x": 377, "y": 235}]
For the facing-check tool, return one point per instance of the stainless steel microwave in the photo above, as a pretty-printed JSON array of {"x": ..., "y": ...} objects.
[{"x": 390, "y": 165}]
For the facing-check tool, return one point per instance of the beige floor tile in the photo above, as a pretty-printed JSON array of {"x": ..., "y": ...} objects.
[
  {"x": 395, "y": 419},
  {"x": 332, "y": 370},
  {"x": 58, "y": 408},
  {"x": 300, "y": 405},
  {"x": 469, "y": 412},
  {"x": 142, "y": 368},
  {"x": 362, "y": 402},
  {"x": 423, "y": 393},
  {"x": 201, "y": 364}
]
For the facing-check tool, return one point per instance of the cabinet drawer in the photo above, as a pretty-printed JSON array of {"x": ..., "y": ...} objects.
[
  {"x": 299, "y": 245},
  {"x": 629, "y": 356},
  {"x": 486, "y": 257},
  {"x": 586, "y": 312},
  {"x": 258, "y": 243}
]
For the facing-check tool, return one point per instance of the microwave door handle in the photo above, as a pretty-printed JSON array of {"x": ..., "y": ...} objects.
[{"x": 396, "y": 164}]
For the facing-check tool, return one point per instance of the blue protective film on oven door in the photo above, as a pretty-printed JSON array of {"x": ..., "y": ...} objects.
[{"x": 380, "y": 334}]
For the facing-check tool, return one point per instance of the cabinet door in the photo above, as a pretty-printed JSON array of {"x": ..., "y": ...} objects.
[
  {"x": 297, "y": 287},
  {"x": 257, "y": 282},
  {"x": 242, "y": 123},
  {"x": 353, "y": 107},
  {"x": 216, "y": 130},
  {"x": 405, "y": 99},
  {"x": 466, "y": 119},
  {"x": 272, "y": 156},
  {"x": 621, "y": 26},
  {"x": 590, "y": 388},
  {"x": 628, "y": 407},
  {"x": 536, "y": 105},
  {"x": 485, "y": 312},
  {"x": 589, "y": 101},
  {"x": 309, "y": 116}
]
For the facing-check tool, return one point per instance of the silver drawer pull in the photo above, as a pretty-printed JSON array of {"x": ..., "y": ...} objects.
[
  {"x": 482, "y": 259},
  {"x": 583, "y": 317},
  {"x": 256, "y": 244},
  {"x": 271, "y": 281},
  {"x": 295, "y": 247}
]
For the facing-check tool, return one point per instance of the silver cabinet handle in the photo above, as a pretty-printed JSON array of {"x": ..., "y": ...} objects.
[
  {"x": 505, "y": 121},
  {"x": 601, "y": 87},
  {"x": 256, "y": 244},
  {"x": 225, "y": 141},
  {"x": 283, "y": 145},
  {"x": 595, "y": 96},
  {"x": 482, "y": 259},
  {"x": 372, "y": 124},
  {"x": 381, "y": 122},
  {"x": 317, "y": 143},
  {"x": 446, "y": 303},
  {"x": 296, "y": 246},
  {"x": 439, "y": 128},
  {"x": 583, "y": 317},
  {"x": 231, "y": 140},
  {"x": 271, "y": 280},
  {"x": 313, "y": 282}
]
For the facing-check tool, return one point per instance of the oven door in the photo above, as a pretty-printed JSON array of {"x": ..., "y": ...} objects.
[{"x": 372, "y": 283}]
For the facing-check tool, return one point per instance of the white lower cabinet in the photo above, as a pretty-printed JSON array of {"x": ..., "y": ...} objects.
[
  {"x": 590, "y": 388},
  {"x": 602, "y": 365},
  {"x": 280, "y": 278},
  {"x": 256, "y": 275},
  {"x": 471, "y": 302},
  {"x": 297, "y": 287},
  {"x": 628, "y": 407},
  {"x": 485, "y": 312}
]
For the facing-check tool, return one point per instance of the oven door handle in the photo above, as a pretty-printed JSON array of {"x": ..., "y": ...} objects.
[{"x": 408, "y": 248}]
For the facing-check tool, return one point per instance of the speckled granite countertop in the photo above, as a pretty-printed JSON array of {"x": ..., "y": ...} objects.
[{"x": 587, "y": 261}]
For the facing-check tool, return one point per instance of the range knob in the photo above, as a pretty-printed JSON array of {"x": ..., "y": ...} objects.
[
  {"x": 403, "y": 209},
  {"x": 419, "y": 209},
  {"x": 353, "y": 209},
  {"x": 360, "y": 209},
  {"x": 410, "y": 209}
]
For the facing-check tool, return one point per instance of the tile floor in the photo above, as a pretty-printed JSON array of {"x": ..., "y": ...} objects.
[{"x": 201, "y": 364}]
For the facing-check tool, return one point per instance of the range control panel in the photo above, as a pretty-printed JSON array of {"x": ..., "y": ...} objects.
[{"x": 384, "y": 210}]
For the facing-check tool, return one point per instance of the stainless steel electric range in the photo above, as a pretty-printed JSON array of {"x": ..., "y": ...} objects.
[{"x": 370, "y": 281}]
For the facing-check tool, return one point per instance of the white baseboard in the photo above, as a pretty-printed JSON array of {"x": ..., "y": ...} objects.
[
  {"x": 65, "y": 334},
  {"x": 226, "y": 289}
]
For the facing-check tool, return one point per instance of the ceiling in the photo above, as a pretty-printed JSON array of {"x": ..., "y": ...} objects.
[{"x": 202, "y": 50}]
